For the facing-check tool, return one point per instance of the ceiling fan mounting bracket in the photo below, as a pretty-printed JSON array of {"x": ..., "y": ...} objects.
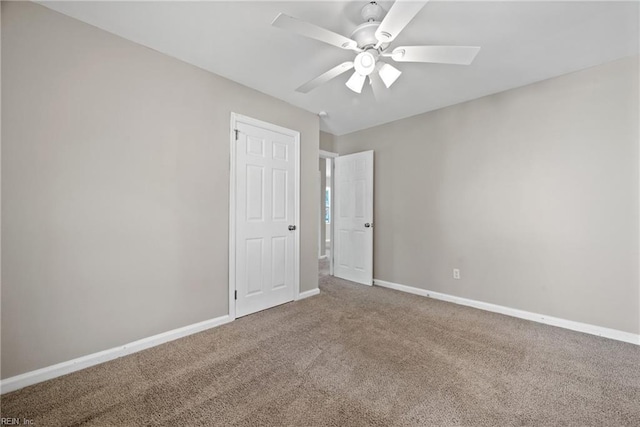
[
  {"x": 384, "y": 35},
  {"x": 398, "y": 54},
  {"x": 372, "y": 12}
]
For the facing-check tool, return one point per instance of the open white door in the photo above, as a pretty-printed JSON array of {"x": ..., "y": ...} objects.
[
  {"x": 353, "y": 217},
  {"x": 264, "y": 260}
]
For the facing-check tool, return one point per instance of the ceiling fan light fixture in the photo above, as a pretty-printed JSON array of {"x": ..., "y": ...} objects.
[
  {"x": 389, "y": 74},
  {"x": 365, "y": 63},
  {"x": 356, "y": 82}
]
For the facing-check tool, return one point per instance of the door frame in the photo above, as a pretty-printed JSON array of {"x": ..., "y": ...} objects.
[
  {"x": 235, "y": 119},
  {"x": 330, "y": 156}
]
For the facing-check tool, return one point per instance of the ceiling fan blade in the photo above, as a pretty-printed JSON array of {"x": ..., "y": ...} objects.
[
  {"x": 325, "y": 77},
  {"x": 462, "y": 55},
  {"x": 356, "y": 82},
  {"x": 399, "y": 15},
  {"x": 312, "y": 31}
]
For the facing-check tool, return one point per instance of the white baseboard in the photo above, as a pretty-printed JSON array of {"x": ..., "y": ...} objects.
[
  {"x": 540, "y": 318},
  {"x": 307, "y": 294},
  {"x": 44, "y": 374}
]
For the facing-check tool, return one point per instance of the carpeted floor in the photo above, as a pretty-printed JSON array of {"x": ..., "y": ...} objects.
[{"x": 359, "y": 356}]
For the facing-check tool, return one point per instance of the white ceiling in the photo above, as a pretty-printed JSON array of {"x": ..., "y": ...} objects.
[{"x": 522, "y": 42}]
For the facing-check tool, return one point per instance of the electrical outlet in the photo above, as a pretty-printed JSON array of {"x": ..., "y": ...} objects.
[{"x": 456, "y": 273}]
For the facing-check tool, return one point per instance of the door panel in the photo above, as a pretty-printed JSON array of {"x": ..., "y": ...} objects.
[
  {"x": 265, "y": 207},
  {"x": 279, "y": 206},
  {"x": 254, "y": 266},
  {"x": 255, "y": 200},
  {"x": 353, "y": 259}
]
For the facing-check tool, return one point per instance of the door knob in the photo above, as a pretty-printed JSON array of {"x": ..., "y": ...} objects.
[
  {"x": 292, "y": 227},
  {"x": 367, "y": 225}
]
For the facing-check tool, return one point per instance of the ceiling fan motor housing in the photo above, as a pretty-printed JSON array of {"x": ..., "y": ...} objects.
[{"x": 365, "y": 34}]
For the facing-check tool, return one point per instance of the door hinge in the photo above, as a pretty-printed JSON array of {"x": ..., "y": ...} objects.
[
  {"x": 236, "y": 131},
  {"x": 235, "y": 294}
]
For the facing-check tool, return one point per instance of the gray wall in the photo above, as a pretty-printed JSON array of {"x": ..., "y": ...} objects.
[
  {"x": 532, "y": 193},
  {"x": 327, "y": 142},
  {"x": 115, "y": 177}
]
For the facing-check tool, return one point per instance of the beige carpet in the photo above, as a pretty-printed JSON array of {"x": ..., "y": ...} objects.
[{"x": 357, "y": 356}]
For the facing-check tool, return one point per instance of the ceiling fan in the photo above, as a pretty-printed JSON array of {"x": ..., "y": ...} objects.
[{"x": 371, "y": 41}]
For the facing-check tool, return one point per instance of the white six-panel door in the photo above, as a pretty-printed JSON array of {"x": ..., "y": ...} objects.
[
  {"x": 266, "y": 198},
  {"x": 353, "y": 217}
]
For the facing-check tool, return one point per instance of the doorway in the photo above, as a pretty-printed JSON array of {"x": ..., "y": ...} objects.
[
  {"x": 346, "y": 210},
  {"x": 325, "y": 227}
]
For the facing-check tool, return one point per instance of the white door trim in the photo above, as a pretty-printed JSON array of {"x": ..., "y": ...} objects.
[
  {"x": 320, "y": 219},
  {"x": 330, "y": 156},
  {"x": 235, "y": 119},
  {"x": 327, "y": 154}
]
